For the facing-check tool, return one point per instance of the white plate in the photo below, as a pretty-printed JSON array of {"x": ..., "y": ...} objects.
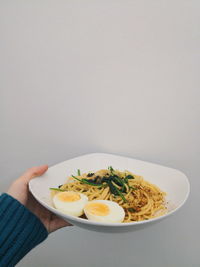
[{"x": 172, "y": 181}]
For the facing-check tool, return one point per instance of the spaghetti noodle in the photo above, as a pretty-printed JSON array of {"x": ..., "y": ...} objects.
[{"x": 140, "y": 199}]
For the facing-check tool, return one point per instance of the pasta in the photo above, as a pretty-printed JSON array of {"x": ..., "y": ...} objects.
[{"x": 140, "y": 199}]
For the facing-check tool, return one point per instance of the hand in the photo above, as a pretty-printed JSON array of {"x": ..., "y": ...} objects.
[{"x": 19, "y": 190}]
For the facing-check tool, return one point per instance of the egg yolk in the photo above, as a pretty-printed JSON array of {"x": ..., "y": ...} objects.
[
  {"x": 68, "y": 196},
  {"x": 98, "y": 209}
]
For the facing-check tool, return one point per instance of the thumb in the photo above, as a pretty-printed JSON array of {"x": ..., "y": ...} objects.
[{"x": 33, "y": 172}]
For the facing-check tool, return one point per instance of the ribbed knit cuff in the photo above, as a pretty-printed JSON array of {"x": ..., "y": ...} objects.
[{"x": 20, "y": 231}]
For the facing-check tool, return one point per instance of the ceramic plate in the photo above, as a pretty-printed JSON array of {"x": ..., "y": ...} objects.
[{"x": 172, "y": 181}]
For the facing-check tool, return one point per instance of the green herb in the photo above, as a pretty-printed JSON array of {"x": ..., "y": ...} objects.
[
  {"x": 121, "y": 195},
  {"x": 85, "y": 181},
  {"x": 129, "y": 177},
  {"x": 76, "y": 178},
  {"x": 78, "y": 172},
  {"x": 134, "y": 188},
  {"x": 110, "y": 168},
  {"x": 57, "y": 189},
  {"x": 96, "y": 180},
  {"x": 117, "y": 180},
  {"x": 115, "y": 191},
  {"x": 113, "y": 181},
  {"x": 91, "y": 183},
  {"x": 112, "y": 188},
  {"x": 124, "y": 189},
  {"x": 105, "y": 179},
  {"x": 131, "y": 210}
]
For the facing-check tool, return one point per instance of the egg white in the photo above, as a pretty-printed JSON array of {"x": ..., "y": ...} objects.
[
  {"x": 116, "y": 212},
  {"x": 74, "y": 208}
]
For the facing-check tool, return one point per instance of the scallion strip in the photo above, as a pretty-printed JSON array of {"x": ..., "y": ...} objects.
[
  {"x": 110, "y": 168},
  {"x": 121, "y": 195},
  {"x": 84, "y": 181},
  {"x": 115, "y": 191}
]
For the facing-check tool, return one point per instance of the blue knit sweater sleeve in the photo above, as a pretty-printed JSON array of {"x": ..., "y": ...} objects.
[{"x": 20, "y": 231}]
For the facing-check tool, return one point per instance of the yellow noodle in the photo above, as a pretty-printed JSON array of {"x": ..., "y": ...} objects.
[{"x": 144, "y": 199}]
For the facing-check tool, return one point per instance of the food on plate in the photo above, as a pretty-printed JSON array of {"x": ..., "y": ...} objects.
[
  {"x": 104, "y": 211},
  {"x": 70, "y": 202},
  {"x": 135, "y": 198}
]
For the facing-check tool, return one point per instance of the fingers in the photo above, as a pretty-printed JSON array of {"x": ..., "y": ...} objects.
[{"x": 33, "y": 172}]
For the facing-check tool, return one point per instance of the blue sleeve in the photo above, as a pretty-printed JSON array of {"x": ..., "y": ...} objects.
[{"x": 20, "y": 231}]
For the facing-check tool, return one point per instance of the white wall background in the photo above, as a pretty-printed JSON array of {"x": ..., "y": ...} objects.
[{"x": 104, "y": 76}]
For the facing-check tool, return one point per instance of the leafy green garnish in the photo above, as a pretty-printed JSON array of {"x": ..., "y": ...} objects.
[
  {"x": 105, "y": 179},
  {"x": 110, "y": 168},
  {"x": 112, "y": 188},
  {"x": 117, "y": 180},
  {"x": 129, "y": 176},
  {"x": 96, "y": 180},
  {"x": 115, "y": 191},
  {"x": 126, "y": 178},
  {"x": 131, "y": 210},
  {"x": 134, "y": 188},
  {"x": 113, "y": 181},
  {"x": 85, "y": 181},
  {"x": 121, "y": 195}
]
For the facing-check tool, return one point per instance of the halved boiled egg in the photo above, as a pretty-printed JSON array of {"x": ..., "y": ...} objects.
[
  {"x": 104, "y": 211},
  {"x": 70, "y": 202}
]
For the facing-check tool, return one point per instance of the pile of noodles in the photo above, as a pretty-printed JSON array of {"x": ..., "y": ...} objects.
[{"x": 144, "y": 200}]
